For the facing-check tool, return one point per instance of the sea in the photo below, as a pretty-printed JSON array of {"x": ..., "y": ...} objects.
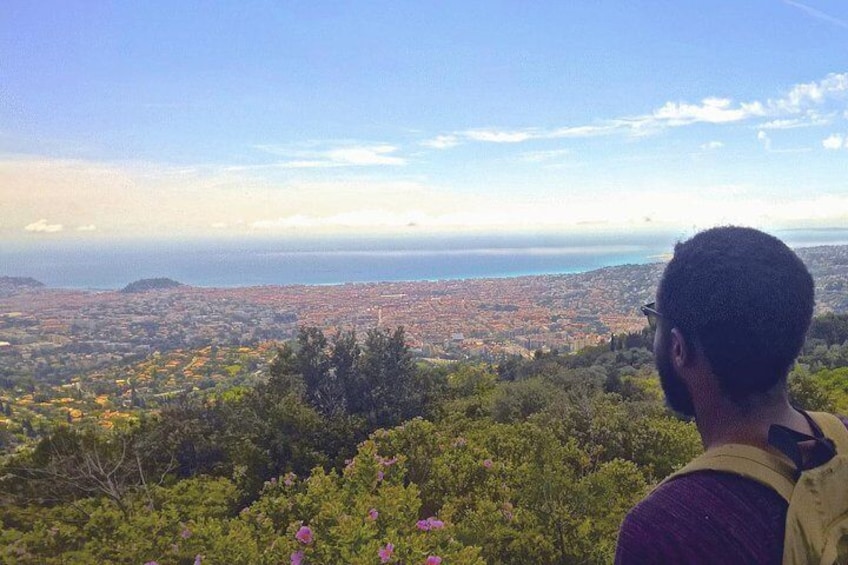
[{"x": 339, "y": 260}]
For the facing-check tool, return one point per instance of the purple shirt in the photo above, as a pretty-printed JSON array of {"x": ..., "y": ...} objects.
[{"x": 705, "y": 517}]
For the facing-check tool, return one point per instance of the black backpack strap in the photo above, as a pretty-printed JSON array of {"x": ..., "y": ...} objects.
[{"x": 788, "y": 442}]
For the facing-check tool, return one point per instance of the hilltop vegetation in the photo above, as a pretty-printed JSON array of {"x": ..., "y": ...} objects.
[
  {"x": 144, "y": 285},
  {"x": 11, "y": 285},
  {"x": 347, "y": 451},
  {"x": 27, "y": 282}
]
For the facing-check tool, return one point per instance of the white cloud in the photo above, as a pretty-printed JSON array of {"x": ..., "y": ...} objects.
[
  {"x": 496, "y": 136},
  {"x": 825, "y": 207},
  {"x": 711, "y": 110},
  {"x": 800, "y": 107},
  {"x": 784, "y": 124},
  {"x": 151, "y": 202},
  {"x": 712, "y": 145},
  {"x": 708, "y": 206},
  {"x": 41, "y": 226},
  {"x": 390, "y": 219},
  {"x": 441, "y": 142},
  {"x": 587, "y": 131},
  {"x": 521, "y": 135},
  {"x": 366, "y": 155},
  {"x": 671, "y": 114},
  {"x": 763, "y": 138},
  {"x": 804, "y": 95},
  {"x": 835, "y": 141},
  {"x": 296, "y": 221},
  {"x": 342, "y": 156},
  {"x": 364, "y": 218},
  {"x": 87, "y": 227}
]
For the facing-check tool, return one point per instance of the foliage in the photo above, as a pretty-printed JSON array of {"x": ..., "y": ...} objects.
[
  {"x": 830, "y": 328},
  {"x": 327, "y": 459},
  {"x": 825, "y": 390},
  {"x": 77, "y": 463},
  {"x": 516, "y": 490}
]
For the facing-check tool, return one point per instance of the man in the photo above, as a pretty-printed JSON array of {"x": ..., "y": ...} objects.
[{"x": 731, "y": 314}]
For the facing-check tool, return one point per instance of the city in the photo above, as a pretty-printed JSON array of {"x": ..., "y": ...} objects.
[{"x": 96, "y": 356}]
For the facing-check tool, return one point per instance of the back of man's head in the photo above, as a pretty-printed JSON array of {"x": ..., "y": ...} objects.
[{"x": 746, "y": 299}]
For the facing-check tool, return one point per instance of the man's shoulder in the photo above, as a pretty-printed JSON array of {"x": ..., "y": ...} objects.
[{"x": 705, "y": 517}]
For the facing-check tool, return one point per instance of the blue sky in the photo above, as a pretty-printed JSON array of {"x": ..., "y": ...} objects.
[{"x": 199, "y": 119}]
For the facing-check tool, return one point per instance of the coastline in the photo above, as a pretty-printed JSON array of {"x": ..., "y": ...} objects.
[{"x": 332, "y": 262}]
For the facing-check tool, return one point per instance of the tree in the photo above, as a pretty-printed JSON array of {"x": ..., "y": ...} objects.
[
  {"x": 808, "y": 393},
  {"x": 283, "y": 377},
  {"x": 313, "y": 364},
  {"x": 345, "y": 361},
  {"x": 270, "y": 430},
  {"x": 72, "y": 463},
  {"x": 831, "y": 328},
  {"x": 185, "y": 438},
  {"x": 390, "y": 390}
]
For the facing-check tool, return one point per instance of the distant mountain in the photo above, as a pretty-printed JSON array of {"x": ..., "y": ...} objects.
[
  {"x": 144, "y": 285},
  {"x": 19, "y": 283}
]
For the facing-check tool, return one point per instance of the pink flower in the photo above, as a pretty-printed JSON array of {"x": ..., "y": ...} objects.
[
  {"x": 487, "y": 463},
  {"x": 304, "y": 535},
  {"x": 435, "y": 524},
  {"x": 297, "y": 558},
  {"x": 386, "y": 553},
  {"x": 380, "y": 475},
  {"x": 197, "y": 559},
  {"x": 388, "y": 462},
  {"x": 186, "y": 533},
  {"x": 431, "y": 523},
  {"x": 289, "y": 480},
  {"x": 433, "y": 560},
  {"x": 373, "y": 514},
  {"x": 152, "y": 563}
]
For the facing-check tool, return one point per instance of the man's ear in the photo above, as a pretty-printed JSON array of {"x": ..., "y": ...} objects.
[{"x": 680, "y": 350}]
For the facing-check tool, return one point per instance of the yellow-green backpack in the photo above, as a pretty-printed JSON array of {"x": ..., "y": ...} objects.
[{"x": 817, "y": 519}]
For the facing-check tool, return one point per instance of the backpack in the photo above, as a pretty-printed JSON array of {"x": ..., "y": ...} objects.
[{"x": 817, "y": 518}]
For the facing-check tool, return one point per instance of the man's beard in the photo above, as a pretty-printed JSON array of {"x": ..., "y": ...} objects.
[{"x": 677, "y": 396}]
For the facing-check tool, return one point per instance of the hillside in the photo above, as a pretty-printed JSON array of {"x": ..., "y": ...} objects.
[
  {"x": 144, "y": 285},
  {"x": 14, "y": 284},
  {"x": 526, "y": 461}
]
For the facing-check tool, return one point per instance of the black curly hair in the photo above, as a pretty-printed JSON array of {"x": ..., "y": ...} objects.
[{"x": 746, "y": 298}]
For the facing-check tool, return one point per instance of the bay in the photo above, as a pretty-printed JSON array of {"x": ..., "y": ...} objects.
[{"x": 337, "y": 260}]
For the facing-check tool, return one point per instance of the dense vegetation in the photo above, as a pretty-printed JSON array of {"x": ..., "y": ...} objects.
[
  {"x": 20, "y": 282},
  {"x": 144, "y": 285},
  {"x": 350, "y": 452}
]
